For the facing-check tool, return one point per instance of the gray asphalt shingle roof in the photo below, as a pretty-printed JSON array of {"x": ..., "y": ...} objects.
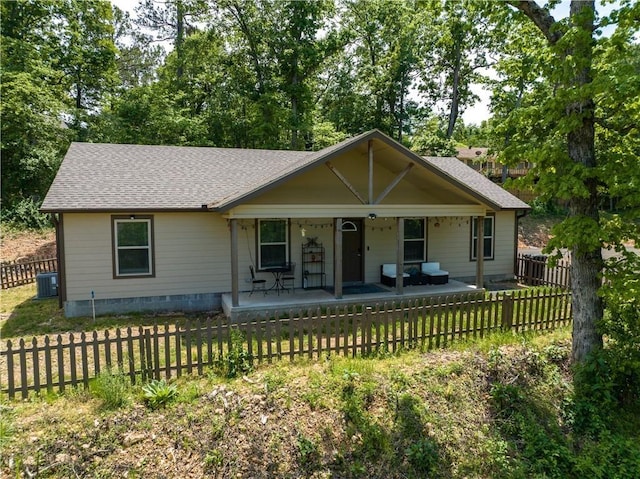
[{"x": 114, "y": 177}]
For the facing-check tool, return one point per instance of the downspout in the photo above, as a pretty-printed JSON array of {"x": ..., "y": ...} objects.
[{"x": 62, "y": 283}]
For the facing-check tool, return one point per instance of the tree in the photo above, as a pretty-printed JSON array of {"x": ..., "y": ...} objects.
[
  {"x": 369, "y": 84},
  {"x": 299, "y": 53},
  {"x": 87, "y": 56},
  {"x": 33, "y": 136},
  {"x": 137, "y": 57},
  {"x": 457, "y": 44},
  {"x": 171, "y": 20},
  {"x": 520, "y": 83},
  {"x": 567, "y": 160}
]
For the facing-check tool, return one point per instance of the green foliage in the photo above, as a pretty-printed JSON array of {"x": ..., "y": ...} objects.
[
  {"x": 6, "y": 424},
  {"x": 113, "y": 388},
  {"x": 213, "y": 459},
  {"x": 158, "y": 393},
  {"x": 25, "y": 214},
  {"x": 238, "y": 361},
  {"x": 307, "y": 452},
  {"x": 58, "y": 62},
  {"x": 357, "y": 397},
  {"x": 423, "y": 456},
  {"x": 541, "y": 207},
  {"x": 432, "y": 141},
  {"x": 611, "y": 456}
]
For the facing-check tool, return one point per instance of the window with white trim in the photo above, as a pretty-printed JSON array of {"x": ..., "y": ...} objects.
[
  {"x": 414, "y": 240},
  {"x": 273, "y": 243},
  {"x": 489, "y": 237},
  {"x": 133, "y": 246}
]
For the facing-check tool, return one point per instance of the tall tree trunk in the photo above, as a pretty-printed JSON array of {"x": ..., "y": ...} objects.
[
  {"x": 586, "y": 263},
  {"x": 586, "y": 260},
  {"x": 179, "y": 37},
  {"x": 295, "y": 124},
  {"x": 455, "y": 95}
]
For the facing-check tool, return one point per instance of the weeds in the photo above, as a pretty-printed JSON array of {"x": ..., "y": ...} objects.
[
  {"x": 307, "y": 452},
  {"x": 113, "y": 388},
  {"x": 158, "y": 393},
  {"x": 6, "y": 424},
  {"x": 238, "y": 361}
]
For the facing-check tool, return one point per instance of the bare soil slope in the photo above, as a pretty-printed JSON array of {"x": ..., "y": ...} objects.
[{"x": 25, "y": 245}]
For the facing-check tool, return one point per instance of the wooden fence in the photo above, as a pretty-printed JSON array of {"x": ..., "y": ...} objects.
[
  {"x": 168, "y": 351},
  {"x": 533, "y": 270},
  {"x": 13, "y": 273}
]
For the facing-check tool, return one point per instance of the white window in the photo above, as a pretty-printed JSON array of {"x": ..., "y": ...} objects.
[
  {"x": 273, "y": 243},
  {"x": 133, "y": 246},
  {"x": 488, "y": 243},
  {"x": 414, "y": 240}
]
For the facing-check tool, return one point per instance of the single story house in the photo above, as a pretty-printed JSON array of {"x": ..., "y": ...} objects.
[{"x": 174, "y": 228}]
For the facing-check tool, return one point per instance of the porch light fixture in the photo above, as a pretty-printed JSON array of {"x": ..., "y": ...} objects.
[
  {"x": 132, "y": 217},
  {"x": 372, "y": 216}
]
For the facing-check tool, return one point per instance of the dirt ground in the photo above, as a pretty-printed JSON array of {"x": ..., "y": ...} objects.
[
  {"x": 26, "y": 245},
  {"x": 532, "y": 232},
  {"x": 535, "y": 232}
]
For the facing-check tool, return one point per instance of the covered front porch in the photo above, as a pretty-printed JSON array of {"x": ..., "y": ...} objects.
[
  {"x": 366, "y": 204},
  {"x": 260, "y": 304}
]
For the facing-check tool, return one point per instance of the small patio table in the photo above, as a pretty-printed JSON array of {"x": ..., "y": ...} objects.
[{"x": 277, "y": 272}]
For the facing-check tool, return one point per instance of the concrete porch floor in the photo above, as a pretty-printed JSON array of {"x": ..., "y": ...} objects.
[{"x": 260, "y": 304}]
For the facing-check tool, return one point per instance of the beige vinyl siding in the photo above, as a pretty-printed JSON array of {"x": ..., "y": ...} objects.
[
  {"x": 191, "y": 252},
  {"x": 322, "y": 186},
  {"x": 450, "y": 243},
  {"x": 380, "y": 246},
  {"x": 319, "y": 228}
]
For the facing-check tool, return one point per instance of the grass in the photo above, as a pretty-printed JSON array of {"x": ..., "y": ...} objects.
[
  {"x": 22, "y": 315},
  {"x": 497, "y": 410}
]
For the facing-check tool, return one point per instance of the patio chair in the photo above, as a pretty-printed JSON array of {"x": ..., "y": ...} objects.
[
  {"x": 256, "y": 283},
  {"x": 433, "y": 273},
  {"x": 289, "y": 278},
  {"x": 388, "y": 275}
]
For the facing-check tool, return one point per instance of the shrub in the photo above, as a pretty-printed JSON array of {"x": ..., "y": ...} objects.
[
  {"x": 113, "y": 388},
  {"x": 237, "y": 361},
  {"x": 308, "y": 452},
  {"x": 541, "y": 207},
  {"x": 25, "y": 214},
  {"x": 423, "y": 456},
  {"x": 158, "y": 393}
]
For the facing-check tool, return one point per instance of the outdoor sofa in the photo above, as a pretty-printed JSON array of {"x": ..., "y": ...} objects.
[
  {"x": 432, "y": 274},
  {"x": 388, "y": 275}
]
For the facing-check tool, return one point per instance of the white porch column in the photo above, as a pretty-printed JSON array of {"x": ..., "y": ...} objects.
[
  {"x": 400, "y": 256},
  {"x": 235, "y": 294},
  {"x": 480, "y": 253},
  {"x": 337, "y": 259}
]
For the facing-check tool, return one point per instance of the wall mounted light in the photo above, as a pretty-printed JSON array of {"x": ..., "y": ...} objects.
[
  {"x": 132, "y": 217},
  {"x": 372, "y": 216}
]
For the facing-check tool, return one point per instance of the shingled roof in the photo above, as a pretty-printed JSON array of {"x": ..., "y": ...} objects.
[{"x": 113, "y": 177}]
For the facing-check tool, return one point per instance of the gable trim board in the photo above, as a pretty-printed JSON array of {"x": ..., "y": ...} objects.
[
  {"x": 200, "y": 256},
  {"x": 356, "y": 211}
]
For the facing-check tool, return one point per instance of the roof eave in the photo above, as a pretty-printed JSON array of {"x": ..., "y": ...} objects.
[{"x": 202, "y": 209}]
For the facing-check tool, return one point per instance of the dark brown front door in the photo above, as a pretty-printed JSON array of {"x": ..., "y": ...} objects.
[{"x": 352, "y": 256}]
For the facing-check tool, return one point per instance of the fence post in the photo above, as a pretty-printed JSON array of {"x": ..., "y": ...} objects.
[
  {"x": 366, "y": 329},
  {"x": 10, "y": 372},
  {"x": 507, "y": 311}
]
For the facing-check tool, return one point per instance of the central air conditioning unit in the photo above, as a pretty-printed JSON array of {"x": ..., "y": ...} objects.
[{"x": 47, "y": 285}]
